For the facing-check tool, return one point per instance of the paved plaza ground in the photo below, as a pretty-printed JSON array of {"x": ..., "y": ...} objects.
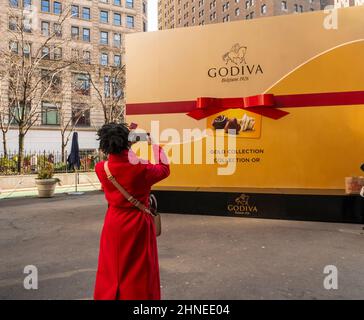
[{"x": 201, "y": 257}]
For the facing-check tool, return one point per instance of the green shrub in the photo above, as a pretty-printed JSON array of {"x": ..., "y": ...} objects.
[
  {"x": 60, "y": 167},
  {"x": 45, "y": 170},
  {"x": 8, "y": 165}
]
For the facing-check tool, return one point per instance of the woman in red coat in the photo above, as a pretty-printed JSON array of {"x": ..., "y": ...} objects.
[{"x": 128, "y": 259}]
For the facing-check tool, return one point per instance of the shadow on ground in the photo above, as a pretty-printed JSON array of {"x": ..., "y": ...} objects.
[{"x": 201, "y": 257}]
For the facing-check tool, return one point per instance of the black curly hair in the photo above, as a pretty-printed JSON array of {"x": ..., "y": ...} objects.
[{"x": 113, "y": 138}]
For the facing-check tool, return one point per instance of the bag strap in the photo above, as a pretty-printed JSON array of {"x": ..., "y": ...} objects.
[{"x": 125, "y": 193}]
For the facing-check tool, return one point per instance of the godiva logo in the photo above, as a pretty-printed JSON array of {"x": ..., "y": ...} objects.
[
  {"x": 242, "y": 206},
  {"x": 236, "y": 68}
]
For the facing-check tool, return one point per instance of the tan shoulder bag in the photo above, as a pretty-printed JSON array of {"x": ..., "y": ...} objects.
[{"x": 156, "y": 216}]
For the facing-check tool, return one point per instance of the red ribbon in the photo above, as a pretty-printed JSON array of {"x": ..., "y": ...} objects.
[{"x": 264, "y": 104}]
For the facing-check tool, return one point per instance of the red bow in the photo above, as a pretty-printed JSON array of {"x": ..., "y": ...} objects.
[{"x": 262, "y": 104}]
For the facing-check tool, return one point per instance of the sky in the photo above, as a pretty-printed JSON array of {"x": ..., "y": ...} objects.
[{"x": 152, "y": 15}]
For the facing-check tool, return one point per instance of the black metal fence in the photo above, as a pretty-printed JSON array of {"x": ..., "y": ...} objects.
[{"x": 33, "y": 160}]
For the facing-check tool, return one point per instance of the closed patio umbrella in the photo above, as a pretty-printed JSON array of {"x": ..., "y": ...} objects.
[{"x": 74, "y": 161}]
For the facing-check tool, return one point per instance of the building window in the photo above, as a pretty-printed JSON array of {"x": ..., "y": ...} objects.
[
  {"x": 226, "y": 18},
  {"x": 106, "y": 86},
  {"x": 263, "y": 9},
  {"x": 117, "y": 19},
  {"x": 27, "y": 50},
  {"x": 117, "y": 2},
  {"x": 117, "y": 60},
  {"x": 27, "y": 3},
  {"x": 295, "y": 8},
  {"x": 104, "y": 37},
  {"x": 145, "y": 7},
  {"x": 17, "y": 110},
  {"x": 55, "y": 82},
  {"x": 117, "y": 89},
  {"x": 86, "y": 13},
  {"x": 46, "y": 53},
  {"x": 57, "y": 29},
  {"x": 75, "y": 33},
  {"x": 104, "y": 59},
  {"x": 50, "y": 114},
  {"x": 86, "y": 34},
  {"x": 87, "y": 57},
  {"x": 75, "y": 11},
  {"x": 57, "y": 7},
  {"x": 117, "y": 40},
  {"x": 130, "y": 4},
  {"x": 284, "y": 5},
  {"x": 75, "y": 54},
  {"x": 13, "y": 46},
  {"x": 57, "y": 53},
  {"x": 45, "y": 6},
  {"x": 145, "y": 28},
  {"x": 81, "y": 115},
  {"x": 14, "y": 3},
  {"x": 104, "y": 16},
  {"x": 27, "y": 25},
  {"x": 81, "y": 84},
  {"x": 301, "y": 8},
  {"x": 45, "y": 28},
  {"x": 130, "y": 21},
  {"x": 237, "y": 12},
  {"x": 13, "y": 23}
]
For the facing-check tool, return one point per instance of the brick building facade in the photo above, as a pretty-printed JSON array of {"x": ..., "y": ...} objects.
[
  {"x": 184, "y": 13},
  {"x": 95, "y": 33}
]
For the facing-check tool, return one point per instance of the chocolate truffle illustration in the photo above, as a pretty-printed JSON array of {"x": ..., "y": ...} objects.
[
  {"x": 233, "y": 125},
  {"x": 220, "y": 122},
  {"x": 247, "y": 123}
]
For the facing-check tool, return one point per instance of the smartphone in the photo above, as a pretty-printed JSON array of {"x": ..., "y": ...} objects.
[{"x": 138, "y": 136}]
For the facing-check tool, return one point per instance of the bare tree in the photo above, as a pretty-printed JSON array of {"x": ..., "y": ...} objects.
[
  {"x": 67, "y": 126},
  {"x": 67, "y": 120},
  {"x": 108, "y": 84},
  {"x": 5, "y": 121},
  {"x": 33, "y": 70},
  {"x": 5, "y": 115}
]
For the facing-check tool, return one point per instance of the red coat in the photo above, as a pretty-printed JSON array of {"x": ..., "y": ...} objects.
[{"x": 128, "y": 260}]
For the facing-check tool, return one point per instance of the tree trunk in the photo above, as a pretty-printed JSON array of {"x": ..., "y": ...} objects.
[
  {"x": 5, "y": 147},
  {"x": 63, "y": 150},
  {"x": 21, "y": 151}
]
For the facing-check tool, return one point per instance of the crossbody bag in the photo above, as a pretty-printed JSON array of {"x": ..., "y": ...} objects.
[{"x": 153, "y": 202}]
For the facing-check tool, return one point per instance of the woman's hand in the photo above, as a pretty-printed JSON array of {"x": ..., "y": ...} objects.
[{"x": 150, "y": 141}]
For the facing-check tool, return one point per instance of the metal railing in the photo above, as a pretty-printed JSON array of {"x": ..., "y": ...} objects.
[{"x": 33, "y": 160}]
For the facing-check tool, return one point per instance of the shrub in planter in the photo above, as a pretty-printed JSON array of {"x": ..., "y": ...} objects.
[
  {"x": 7, "y": 165},
  {"x": 46, "y": 184}
]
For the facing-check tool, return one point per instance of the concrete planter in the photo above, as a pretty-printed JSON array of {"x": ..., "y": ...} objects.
[{"x": 46, "y": 187}]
